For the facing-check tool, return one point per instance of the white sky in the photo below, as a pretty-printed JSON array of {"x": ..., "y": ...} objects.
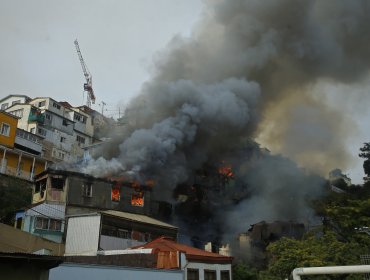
[{"x": 118, "y": 39}]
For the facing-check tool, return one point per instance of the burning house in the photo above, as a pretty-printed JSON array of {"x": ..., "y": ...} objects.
[
  {"x": 59, "y": 194},
  {"x": 81, "y": 192}
]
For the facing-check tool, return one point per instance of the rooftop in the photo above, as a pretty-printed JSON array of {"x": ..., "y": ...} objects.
[
  {"x": 166, "y": 244},
  {"x": 137, "y": 218}
]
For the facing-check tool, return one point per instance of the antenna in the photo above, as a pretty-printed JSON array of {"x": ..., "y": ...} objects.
[{"x": 102, "y": 107}]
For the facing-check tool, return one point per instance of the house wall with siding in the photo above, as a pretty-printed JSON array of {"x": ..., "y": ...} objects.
[
  {"x": 11, "y": 121},
  {"x": 83, "y": 235},
  {"x": 102, "y": 195},
  {"x": 97, "y": 272}
]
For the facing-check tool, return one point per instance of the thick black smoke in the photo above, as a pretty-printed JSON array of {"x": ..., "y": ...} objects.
[{"x": 249, "y": 71}]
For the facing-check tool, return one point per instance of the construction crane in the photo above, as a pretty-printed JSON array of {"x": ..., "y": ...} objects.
[{"x": 88, "y": 85}]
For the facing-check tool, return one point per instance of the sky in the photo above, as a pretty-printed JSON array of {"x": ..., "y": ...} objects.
[{"x": 119, "y": 40}]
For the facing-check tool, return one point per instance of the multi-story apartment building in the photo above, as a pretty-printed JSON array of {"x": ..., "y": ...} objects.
[
  {"x": 83, "y": 128},
  {"x": 13, "y": 99},
  {"x": 20, "y": 151},
  {"x": 64, "y": 130},
  {"x": 55, "y": 131}
]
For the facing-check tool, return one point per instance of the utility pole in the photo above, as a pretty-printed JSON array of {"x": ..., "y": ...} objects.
[{"x": 102, "y": 107}]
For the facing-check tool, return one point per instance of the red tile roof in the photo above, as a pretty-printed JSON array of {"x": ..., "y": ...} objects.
[{"x": 166, "y": 244}]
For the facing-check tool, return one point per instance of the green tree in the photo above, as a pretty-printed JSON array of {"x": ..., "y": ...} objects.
[
  {"x": 345, "y": 213},
  {"x": 325, "y": 250},
  {"x": 243, "y": 272},
  {"x": 339, "y": 241},
  {"x": 14, "y": 195}
]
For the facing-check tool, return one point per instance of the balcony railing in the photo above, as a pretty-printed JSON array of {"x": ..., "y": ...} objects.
[{"x": 34, "y": 117}]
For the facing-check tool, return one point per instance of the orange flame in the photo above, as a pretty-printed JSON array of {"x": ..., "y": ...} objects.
[
  {"x": 226, "y": 171},
  {"x": 116, "y": 194},
  {"x": 137, "y": 199}
]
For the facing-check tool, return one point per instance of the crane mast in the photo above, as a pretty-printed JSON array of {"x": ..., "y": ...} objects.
[{"x": 88, "y": 85}]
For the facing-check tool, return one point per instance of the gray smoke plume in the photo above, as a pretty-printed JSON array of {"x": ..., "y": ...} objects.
[{"x": 249, "y": 71}]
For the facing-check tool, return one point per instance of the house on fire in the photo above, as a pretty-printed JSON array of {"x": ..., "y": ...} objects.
[
  {"x": 58, "y": 194},
  {"x": 83, "y": 193}
]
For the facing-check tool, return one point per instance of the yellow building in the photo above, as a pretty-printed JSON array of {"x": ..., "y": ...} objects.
[
  {"x": 8, "y": 128},
  {"x": 16, "y": 156}
]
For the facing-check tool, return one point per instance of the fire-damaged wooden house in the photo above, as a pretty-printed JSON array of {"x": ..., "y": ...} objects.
[
  {"x": 59, "y": 194},
  {"x": 81, "y": 192}
]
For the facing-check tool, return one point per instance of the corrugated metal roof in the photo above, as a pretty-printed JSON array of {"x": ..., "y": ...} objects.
[
  {"x": 56, "y": 211},
  {"x": 137, "y": 218}
]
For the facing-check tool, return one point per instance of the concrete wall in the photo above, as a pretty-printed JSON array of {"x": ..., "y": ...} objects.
[
  {"x": 96, "y": 272},
  {"x": 15, "y": 240},
  {"x": 205, "y": 266}
]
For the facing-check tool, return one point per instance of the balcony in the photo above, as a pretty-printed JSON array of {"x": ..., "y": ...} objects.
[{"x": 36, "y": 117}]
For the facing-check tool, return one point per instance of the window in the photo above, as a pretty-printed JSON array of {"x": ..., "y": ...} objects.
[
  {"x": 48, "y": 224},
  {"x": 121, "y": 233},
  {"x": 41, "y": 104},
  {"x": 48, "y": 117},
  {"x": 41, "y": 131},
  {"x": 56, "y": 105},
  {"x": 192, "y": 274},
  {"x": 42, "y": 223},
  {"x": 115, "y": 232},
  {"x": 210, "y": 275},
  {"x": 80, "y": 139},
  {"x": 60, "y": 155},
  {"x": 17, "y": 113},
  {"x": 225, "y": 274},
  {"x": 62, "y": 139},
  {"x": 5, "y": 129},
  {"x": 16, "y": 102},
  {"x": 137, "y": 199},
  {"x": 40, "y": 185},
  {"x": 87, "y": 190},
  {"x": 77, "y": 117},
  {"x": 55, "y": 225},
  {"x": 4, "y": 106},
  {"x": 147, "y": 237},
  {"x": 57, "y": 182},
  {"x": 116, "y": 196},
  {"x": 65, "y": 123}
]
